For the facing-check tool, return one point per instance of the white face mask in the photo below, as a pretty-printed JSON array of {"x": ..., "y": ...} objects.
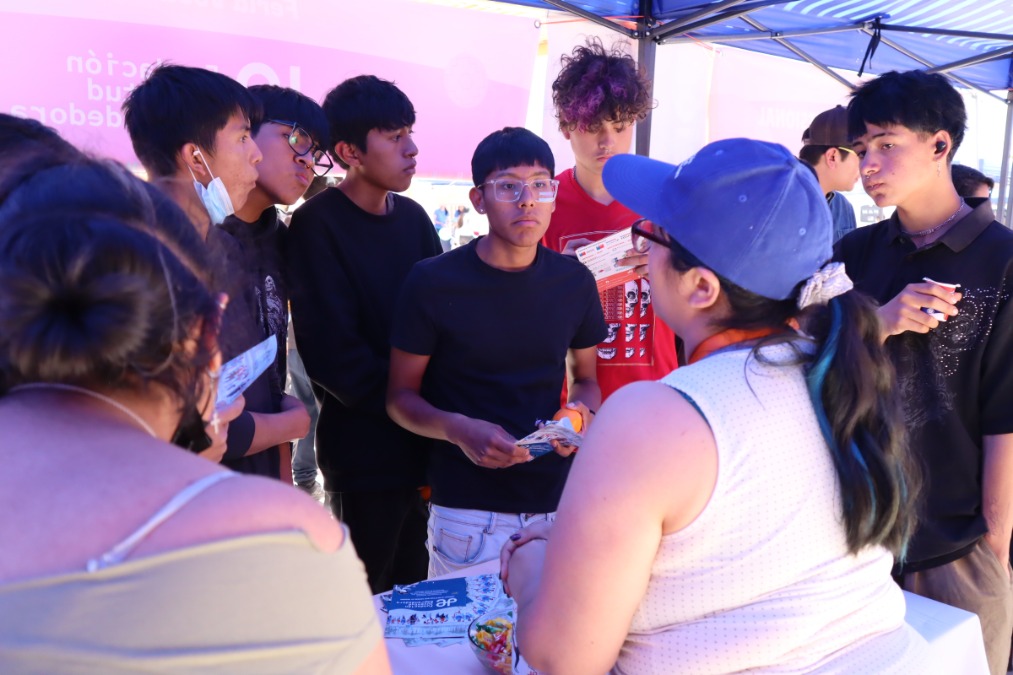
[{"x": 214, "y": 197}]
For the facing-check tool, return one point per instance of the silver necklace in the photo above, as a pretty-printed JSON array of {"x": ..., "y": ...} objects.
[
  {"x": 58, "y": 386},
  {"x": 925, "y": 233}
]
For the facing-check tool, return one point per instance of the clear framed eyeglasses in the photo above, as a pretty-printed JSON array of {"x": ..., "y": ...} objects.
[{"x": 510, "y": 189}]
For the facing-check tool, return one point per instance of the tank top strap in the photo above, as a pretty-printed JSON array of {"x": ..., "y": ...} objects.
[{"x": 120, "y": 551}]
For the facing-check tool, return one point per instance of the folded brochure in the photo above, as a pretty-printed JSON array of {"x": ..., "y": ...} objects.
[
  {"x": 538, "y": 442},
  {"x": 440, "y": 608},
  {"x": 602, "y": 258},
  {"x": 240, "y": 372}
]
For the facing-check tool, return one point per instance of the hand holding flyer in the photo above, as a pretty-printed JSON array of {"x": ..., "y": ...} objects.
[
  {"x": 240, "y": 372},
  {"x": 603, "y": 256},
  {"x": 539, "y": 442}
]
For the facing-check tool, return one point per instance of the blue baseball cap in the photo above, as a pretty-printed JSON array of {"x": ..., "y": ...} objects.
[{"x": 747, "y": 209}]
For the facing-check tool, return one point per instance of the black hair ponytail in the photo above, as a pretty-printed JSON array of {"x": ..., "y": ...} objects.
[{"x": 851, "y": 384}]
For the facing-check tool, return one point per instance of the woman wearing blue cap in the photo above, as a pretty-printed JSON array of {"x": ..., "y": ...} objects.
[{"x": 744, "y": 512}]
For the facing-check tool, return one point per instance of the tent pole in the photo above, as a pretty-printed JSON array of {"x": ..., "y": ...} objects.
[
  {"x": 973, "y": 60},
  {"x": 1005, "y": 198},
  {"x": 719, "y": 13},
  {"x": 727, "y": 38},
  {"x": 677, "y": 25},
  {"x": 646, "y": 53},
  {"x": 914, "y": 57},
  {"x": 565, "y": 6},
  {"x": 753, "y": 23}
]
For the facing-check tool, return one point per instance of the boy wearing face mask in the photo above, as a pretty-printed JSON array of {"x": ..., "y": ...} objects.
[{"x": 191, "y": 130}]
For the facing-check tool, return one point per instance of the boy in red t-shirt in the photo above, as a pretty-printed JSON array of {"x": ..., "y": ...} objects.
[{"x": 598, "y": 96}]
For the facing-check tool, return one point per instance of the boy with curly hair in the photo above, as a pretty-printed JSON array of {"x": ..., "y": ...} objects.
[{"x": 598, "y": 96}]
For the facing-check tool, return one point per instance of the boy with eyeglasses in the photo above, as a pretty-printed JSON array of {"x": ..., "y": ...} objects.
[
  {"x": 349, "y": 250},
  {"x": 598, "y": 95},
  {"x": 289, "y": 136},
  {"x": 826, "y": 148},
  {"x": 483, "y": 338}
]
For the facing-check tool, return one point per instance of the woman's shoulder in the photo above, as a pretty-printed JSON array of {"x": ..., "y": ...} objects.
[
  {"x": 650, "y": 439},
  {"x": 242, "y": 505},
  {"x": 650, "y": 412}
]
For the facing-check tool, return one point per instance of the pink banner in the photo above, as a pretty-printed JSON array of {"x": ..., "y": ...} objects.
[{"x": 77, "y": 80}]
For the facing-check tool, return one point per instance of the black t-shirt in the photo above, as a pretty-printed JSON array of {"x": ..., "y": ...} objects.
[
  {"x": 345, "y": 270},
  {"x": 262, "y": 274},
  {"x": 257, "y": 269},
  {"x": 240, "y": 330},
  {"x": 956, "y": 381},
  {"x": 498, "y": 342}
]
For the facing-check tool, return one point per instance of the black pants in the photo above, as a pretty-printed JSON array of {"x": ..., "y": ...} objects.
[{"x": 388, "y": 529}]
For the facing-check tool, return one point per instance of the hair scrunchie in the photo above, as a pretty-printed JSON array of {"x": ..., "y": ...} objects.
[{"x": 828, "y": 282}]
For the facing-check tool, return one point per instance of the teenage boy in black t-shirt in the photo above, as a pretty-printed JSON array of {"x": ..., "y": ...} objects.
[
  {"x": 954, "y": 370},
  {"x": 289, "y": 137},
  {"x": 349, "y": 250},
  {"x": 483, "y": 338}
]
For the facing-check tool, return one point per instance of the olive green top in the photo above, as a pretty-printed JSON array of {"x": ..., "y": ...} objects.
[{"x": 263, "y": 603}]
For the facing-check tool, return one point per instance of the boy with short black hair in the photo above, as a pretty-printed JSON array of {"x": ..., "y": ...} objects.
[
  {"x": 598, "y": 96},
  {"x": 950, "y": 346},
  {"x": 826, "y": 147},
  {"x": 484, "y": 336},
  {"x": 192, "y": 130},
  {"x": 349, "y": 250},
  {"x": 291, "y": 137},
  {"x": 970, "y": 182}
]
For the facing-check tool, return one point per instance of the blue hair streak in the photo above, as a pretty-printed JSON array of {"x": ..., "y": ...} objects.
[{"x": 815, "y": 380}]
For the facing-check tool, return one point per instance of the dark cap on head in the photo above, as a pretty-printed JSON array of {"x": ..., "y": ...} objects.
[{"x": 830, "y": 128}]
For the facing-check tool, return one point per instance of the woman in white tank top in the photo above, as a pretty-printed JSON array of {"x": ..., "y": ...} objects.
[{"x": 743, "y": 513}]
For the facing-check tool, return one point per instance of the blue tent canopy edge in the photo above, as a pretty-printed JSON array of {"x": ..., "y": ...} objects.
[{"x": 969, "y": 41}]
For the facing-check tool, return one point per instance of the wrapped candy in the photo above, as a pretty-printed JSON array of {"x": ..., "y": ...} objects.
[{"x": 490, "y": 638}]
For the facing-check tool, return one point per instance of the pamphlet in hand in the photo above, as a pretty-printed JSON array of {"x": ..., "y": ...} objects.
[
  {"x": 432, "y": 611},
  {"x": 240, "y": 372},
  {"x": 538, "y": 442},
  {"x": 603, "y": 256}
]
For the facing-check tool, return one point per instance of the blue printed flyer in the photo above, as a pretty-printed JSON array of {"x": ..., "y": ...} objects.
[{"x": 438, "y": 609}]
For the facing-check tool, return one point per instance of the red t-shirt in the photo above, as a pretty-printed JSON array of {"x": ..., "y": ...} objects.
[{"x": 638, "y": 346}]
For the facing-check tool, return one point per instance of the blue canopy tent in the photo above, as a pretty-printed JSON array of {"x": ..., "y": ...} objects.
[{"x": 969, "y": 41}]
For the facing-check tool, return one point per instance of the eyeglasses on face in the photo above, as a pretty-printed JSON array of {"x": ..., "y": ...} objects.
[
  {"x": 643, "y": 233},
  {"x": 846, "y": 150},
  {"x": 509, "y": 189},
  {"x": 302, "y": 144}
]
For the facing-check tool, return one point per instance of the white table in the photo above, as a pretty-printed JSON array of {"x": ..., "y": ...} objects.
[
  {"x": 954, "y": 637},
  {"x": 426, "y": 660}
]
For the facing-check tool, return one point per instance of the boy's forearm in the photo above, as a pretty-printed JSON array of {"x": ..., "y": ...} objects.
[
  {"x": 409, "y": 410},
  {"x": 997, "y": 492},
  {"x": 276, "y": 428},
  {"x": 587, "y": 392}
]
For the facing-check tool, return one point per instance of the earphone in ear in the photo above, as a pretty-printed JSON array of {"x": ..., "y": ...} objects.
[{"x": 940, "y": 146}]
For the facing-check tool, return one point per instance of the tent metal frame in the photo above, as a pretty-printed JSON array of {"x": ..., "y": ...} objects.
[{"x": 650, "y": 32}]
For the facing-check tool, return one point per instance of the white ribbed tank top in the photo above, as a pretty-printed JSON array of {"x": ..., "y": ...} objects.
[{"x": 762, "y": 580}]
